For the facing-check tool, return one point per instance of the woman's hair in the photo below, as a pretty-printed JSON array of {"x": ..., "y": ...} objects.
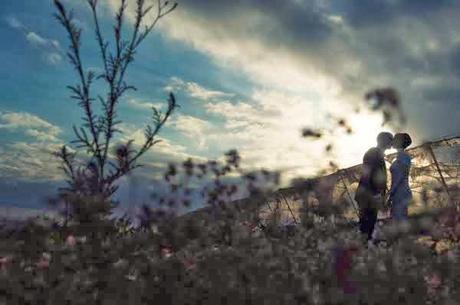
[{"x": 402, "y": 140}]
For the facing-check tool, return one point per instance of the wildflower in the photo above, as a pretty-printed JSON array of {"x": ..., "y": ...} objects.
[
  {"x": 4, "y": 262},
  {"x": 433, "y": 283},
  {"x": 342, "y": 267},
  {"x": 44, "y": 261},
  {"x": 132, "y": 275},
  {"x": 166, "y": 252},
  {"x": 189, "y": 263},
  {"x": 251, "y": 226},
  {"x": 81, "y": 239},
  {"x": 442, "y": 247},
  {"x": 121, "y": 263},
  {"x": 71, "y": 241}
]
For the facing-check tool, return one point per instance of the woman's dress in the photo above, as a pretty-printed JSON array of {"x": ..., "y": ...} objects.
[{"x": 400, "y": 193}]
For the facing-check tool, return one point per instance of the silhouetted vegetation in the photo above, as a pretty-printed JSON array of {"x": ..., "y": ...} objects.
[{"x": 96, "y": 174}]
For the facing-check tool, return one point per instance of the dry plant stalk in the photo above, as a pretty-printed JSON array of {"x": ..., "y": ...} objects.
[{"x": 97, "y": 176}]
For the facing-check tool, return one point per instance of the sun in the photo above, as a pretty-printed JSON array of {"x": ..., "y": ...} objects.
[{"x": 365, "y": 125}]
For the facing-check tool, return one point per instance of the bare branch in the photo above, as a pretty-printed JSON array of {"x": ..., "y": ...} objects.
[
  {"x": 97, "y": 131},
  {"x": 83, "y": 91}
]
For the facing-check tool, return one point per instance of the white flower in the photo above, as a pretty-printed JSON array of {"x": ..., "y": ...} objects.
[
  {"x": 132, "y": 275},
  {"x": 154, "y": 229},
  {"x": 82, "y": 239},
  {"x": 121, "y": 263}
]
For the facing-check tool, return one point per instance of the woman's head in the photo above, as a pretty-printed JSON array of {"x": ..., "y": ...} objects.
[{"x": 402, "y": 141}]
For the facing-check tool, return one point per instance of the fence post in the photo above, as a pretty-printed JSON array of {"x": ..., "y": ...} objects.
[
  {"x": 433, "y": 156},
  {"x": 348, "y": 193},
  {"x": 289, "y": 207}
]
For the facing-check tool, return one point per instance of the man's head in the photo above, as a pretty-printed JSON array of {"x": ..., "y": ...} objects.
[{"x": 384, "y": 140}]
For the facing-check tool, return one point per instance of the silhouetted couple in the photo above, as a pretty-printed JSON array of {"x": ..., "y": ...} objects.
[{"x": 371, "y": 194}]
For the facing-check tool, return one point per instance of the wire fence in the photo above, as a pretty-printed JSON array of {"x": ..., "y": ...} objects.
[{"x": 434, "y": 180}]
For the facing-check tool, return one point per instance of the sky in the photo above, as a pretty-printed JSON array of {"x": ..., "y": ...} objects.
[{"x": 248, "y": 75}]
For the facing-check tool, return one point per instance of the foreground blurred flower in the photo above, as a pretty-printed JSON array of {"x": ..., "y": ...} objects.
[
  {"x": 251, "y": 226},
  {"x": 189, "y": 263},
  {"x": 44, "y": 261},
  {"x": 132, "y": 275},
  {"x": 81, "y": 239},
  {"x": 442, "y": 246},
  {"x": 433, "y": 283},
  {"x": 71, "y": 241},
  {"x": 342, "y": 267},
  {"x": 121, "y": 263},
  {"x": 4, "y": 262},
  {"x": 166, "y": 252}
]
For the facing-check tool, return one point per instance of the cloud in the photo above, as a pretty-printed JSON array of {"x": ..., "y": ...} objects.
[
  {"x": 136, "y": 104},
  {"x": 51, "y": 48},
  {"x": 40, "y": 135},
  {"x": 266, "y": 130},
  {"x": 54, "y": 58},
  {"x": 345, "y": 47},
  {"x": 30, "y": 161},
  {"x": 30, "y": 124},
  {"x": 14, "y": 23},
  {"x": 36, "y": 39},
  {"x": 194, "y": 90},
  {"x": 196, "y": 129},
  {"x": 306, "y": 60},
  {"x": 377, "y": 12}
]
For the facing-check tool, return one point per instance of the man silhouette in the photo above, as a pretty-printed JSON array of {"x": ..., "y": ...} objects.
[{"x": 373, "y": 184}]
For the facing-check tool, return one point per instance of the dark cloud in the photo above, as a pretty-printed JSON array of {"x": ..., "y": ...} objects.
[
  {"x": 425, "y": 7},
  {"x": 374, "y": 12},
  {"x": 361, "y": 13},
  {"x": 411, "y": 45},
  {"x": 288, "y": 20}
]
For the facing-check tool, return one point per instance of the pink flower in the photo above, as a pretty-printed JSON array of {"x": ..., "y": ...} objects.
[
  {"x": 433, "y": 282},
  {"x": 166, "y": 252},
  {"x": 71, "y": 241},
  {"x": 251, "y": 226},
  {"x": 44, "y": 261},
  {"x": 43, "y": 264},
  {"x": 189, "y": 263},
  {"x": 342, "y": 266},
  {"x": 4, "y": 261}
]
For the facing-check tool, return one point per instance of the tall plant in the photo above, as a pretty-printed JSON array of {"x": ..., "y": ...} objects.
[{"x": 98, "y": 174}]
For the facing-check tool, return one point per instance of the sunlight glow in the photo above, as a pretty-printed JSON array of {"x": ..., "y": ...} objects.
[{"x": 350, "y": 148}]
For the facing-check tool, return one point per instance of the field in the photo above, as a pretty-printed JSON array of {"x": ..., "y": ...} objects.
[{"x": 233, "y": 254}]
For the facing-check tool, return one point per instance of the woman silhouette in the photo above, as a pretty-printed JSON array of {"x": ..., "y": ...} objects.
[{"x": 400, "y": 194}]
